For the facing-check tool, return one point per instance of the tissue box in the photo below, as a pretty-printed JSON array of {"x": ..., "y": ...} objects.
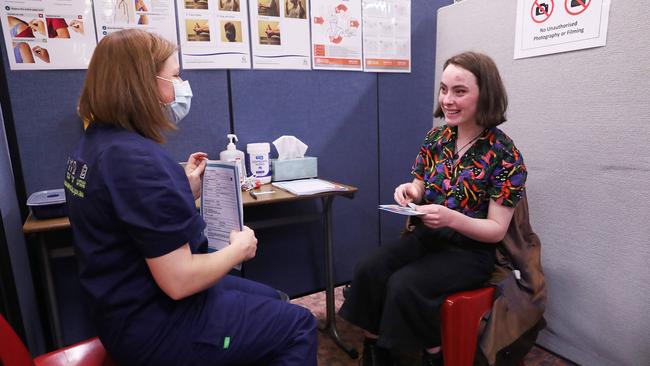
[
  {"x": 47, "y": 204},
  {"x": 290, "y": 169}
]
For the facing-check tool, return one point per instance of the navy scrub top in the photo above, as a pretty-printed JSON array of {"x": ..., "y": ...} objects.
[{"x": 127, "y": 201}]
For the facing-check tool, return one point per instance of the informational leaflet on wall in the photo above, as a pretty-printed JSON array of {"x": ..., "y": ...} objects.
[
  {"x": 552, "y": 26},
  {"x": 336, "y": 35},
  {"x": 221, "y": 203},
  {"x": 387, "y": 35},
  {"x": 156, "y": 16},
  {"x": 42, "y": 35},
  {"x": 214, "y": 34},
  {"x": 280, "y": 34}
]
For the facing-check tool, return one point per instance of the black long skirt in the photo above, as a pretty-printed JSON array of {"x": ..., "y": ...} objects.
[{"x": 398, "y": 288}]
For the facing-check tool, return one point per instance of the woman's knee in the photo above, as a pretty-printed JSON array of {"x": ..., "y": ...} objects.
[{"x": 399, "y": 288}]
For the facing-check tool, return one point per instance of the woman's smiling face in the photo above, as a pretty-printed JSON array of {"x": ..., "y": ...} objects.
[{"x": 458, "y": 95}]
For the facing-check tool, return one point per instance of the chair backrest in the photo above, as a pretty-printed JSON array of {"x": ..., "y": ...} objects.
[{"x": 12, "y": 350}]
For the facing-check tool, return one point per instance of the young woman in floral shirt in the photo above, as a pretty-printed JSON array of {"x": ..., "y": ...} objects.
[{"x": 468, "y": 177}]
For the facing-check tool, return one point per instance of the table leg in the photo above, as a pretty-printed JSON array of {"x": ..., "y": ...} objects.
[
  {"x": 55, "y": 325},
  {"x": 330, "y": 318}
]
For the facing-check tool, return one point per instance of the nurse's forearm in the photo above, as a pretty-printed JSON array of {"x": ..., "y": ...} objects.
[{"x": 181, "y": 274}]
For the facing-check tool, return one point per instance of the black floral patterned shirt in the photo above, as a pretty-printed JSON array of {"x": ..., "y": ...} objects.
[{"x": 492, "y": 168}]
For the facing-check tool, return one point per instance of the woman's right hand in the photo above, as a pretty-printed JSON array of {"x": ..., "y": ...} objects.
[
  {"x": 406, "y": 193},
  {"x": 246, "y": 241}
]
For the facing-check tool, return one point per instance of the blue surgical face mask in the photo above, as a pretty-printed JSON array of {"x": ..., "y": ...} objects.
[{"x": 180, "y": 107}]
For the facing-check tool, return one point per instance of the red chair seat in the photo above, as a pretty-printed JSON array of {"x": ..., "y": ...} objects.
[
  {"x": 14, "y": 353},
  {"x": 461, "y": 315}
]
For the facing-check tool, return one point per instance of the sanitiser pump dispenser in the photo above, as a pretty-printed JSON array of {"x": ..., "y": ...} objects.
[{"x": 232, "y": 154}]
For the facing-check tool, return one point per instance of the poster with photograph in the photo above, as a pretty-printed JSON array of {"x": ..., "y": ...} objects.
[
  {"x": 387, "y": 35},
  {"x": 149, "y": 15},
  {"x": 336, "y": 35},
  {"x": 280, "y": 34},
  {"x": 214, "y": 34},
  {"x": 47, "y": 35}
]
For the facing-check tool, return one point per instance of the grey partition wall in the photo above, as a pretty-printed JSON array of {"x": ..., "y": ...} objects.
[{"x": 582, "y": 122}]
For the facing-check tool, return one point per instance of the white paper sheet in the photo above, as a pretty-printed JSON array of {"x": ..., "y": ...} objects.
[
  {"x": 214, "y": 34},
  {"x": 407, "y": 211},
  {"x": 280, "y": 41},
  {"x": 42, "y": 35},
  {"x": 221, "y": 203},
  {"x": 302, "y": 187},
  {"x": 387, "y": 35},
  {"x": 336, "y": 35}
]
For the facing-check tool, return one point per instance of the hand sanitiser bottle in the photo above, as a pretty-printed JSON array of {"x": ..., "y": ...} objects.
[{"x": 232, "y": 154}]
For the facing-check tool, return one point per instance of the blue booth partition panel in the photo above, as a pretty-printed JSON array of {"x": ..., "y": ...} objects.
[
  {"x": 335, "y": 114},
  {"x": 406, "y": 104}
]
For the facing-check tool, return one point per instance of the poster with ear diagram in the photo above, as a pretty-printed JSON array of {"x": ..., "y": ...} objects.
[
  {"x": 156, "y": 16},
  {"x": 336, "y": 35},
  {"x": 48, "y": 35}
]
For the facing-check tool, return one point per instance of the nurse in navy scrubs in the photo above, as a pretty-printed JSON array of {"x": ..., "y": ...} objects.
[{"x": 157, "y": 297}]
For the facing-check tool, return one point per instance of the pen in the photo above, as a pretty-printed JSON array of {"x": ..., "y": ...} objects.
[{"x": 255, "y": 194}]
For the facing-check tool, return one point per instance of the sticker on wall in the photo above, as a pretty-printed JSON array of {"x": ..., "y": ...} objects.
[
  {"x": 280, "y": 34},
  {"x": 551, "y": 26},
  {"x": 148, "y": 15},
  {"x": 336, "y": 35},
  {"x": 47, "y": 35},
  {"x": 387, "y": 35},
  {"x": 214, "y": 34}
]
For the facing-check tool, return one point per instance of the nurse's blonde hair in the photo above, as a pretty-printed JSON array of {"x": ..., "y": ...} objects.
[{"x": 121, "y": 87}]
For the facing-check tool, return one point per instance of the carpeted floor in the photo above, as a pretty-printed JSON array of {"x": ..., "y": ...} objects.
[{"x": 330, "y": 355}]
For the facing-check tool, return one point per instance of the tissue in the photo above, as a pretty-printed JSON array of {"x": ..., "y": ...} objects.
[
  {"x": 292, "y": 162},
  {"x": 289, "y": 147}
]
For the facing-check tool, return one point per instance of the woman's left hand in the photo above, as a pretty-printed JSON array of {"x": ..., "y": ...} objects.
[
  {"x": 436, "y": 216},
  {"x": 194, "y": 171}
]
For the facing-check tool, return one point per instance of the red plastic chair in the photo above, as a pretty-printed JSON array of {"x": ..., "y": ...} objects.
[
  {"x": 14, "y": 353},
  {"x": 461, "y": 315}
]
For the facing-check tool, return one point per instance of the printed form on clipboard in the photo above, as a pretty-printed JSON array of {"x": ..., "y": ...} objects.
[
  {"x": 304, "y": 187},
  {"x": 221, "y": 203}
]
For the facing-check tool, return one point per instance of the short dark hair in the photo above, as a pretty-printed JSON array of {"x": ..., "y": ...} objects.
[
  {"x": 492, "y": 96},
  {"x": 121, "y": 87}
]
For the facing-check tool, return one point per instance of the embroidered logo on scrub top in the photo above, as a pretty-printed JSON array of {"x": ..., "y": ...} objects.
[{"x": 75, "y": 177}]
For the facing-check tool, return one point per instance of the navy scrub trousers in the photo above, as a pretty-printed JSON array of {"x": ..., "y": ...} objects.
[{"x": 238, "y": 332}]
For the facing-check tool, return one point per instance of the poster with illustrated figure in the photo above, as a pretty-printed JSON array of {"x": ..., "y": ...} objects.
[
  {"x": 280, "y": 34},
  {"x": 214, "y": 34},
  {"x": 156, "y": 16},
  {"x": 336, "y": 35},
  {"x": 48, "y": 35},
  {"x": 387, "y": 35}
]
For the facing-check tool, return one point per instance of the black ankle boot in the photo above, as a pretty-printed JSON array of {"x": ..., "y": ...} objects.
[
  {"x": 431, "y": 359},
  {"x": 373, "y": 355}
]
